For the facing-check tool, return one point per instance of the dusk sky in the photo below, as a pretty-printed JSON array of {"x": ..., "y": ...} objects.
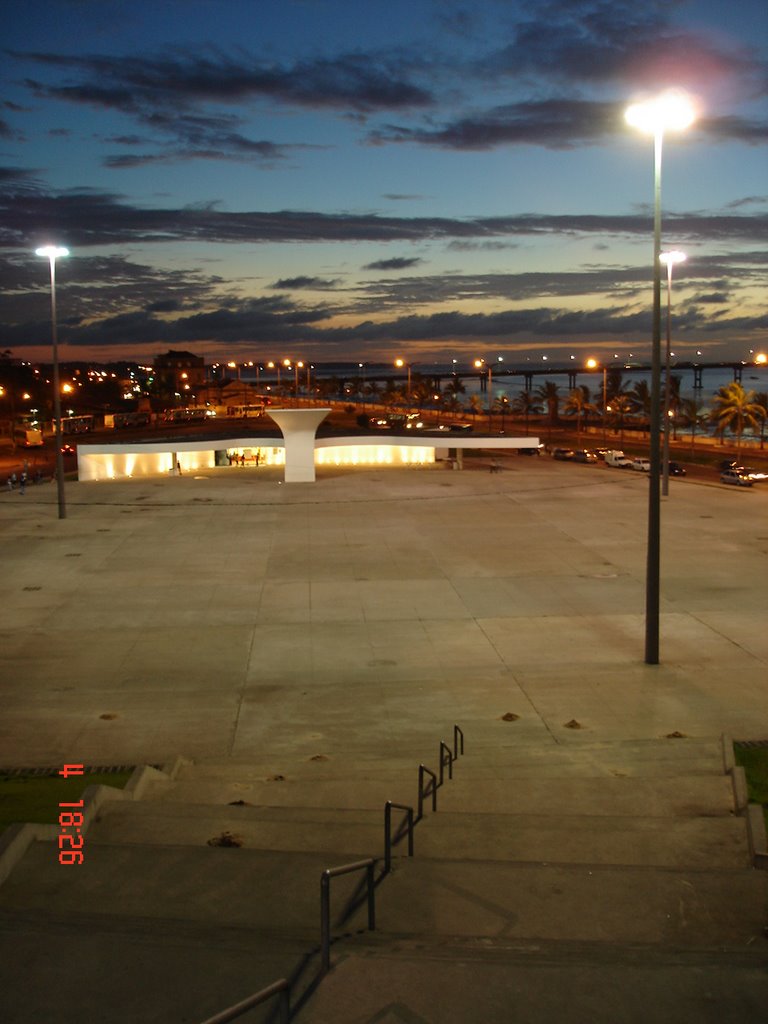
[{"x": 330, "y": 180}]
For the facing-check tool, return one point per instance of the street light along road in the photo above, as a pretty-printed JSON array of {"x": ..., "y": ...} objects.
[
  {"x": 52, "y": 253},
  {"x": 671, "y": 111}
]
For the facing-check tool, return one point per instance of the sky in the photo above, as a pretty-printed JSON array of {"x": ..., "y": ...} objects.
[{"x": 361, "y": 180}]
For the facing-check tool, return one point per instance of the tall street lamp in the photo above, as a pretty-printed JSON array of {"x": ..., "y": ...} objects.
[
  {"x": 668, "y": 112},
  {"x": 669, "y": 259},
  {"x": 400, "y": 363},
  {"x": 52, "y": 253},
  {"x": 593, "y": 364}
]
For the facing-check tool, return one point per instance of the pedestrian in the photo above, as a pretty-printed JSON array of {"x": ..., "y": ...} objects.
[
  {"x": 22, "y": 483},
  {"x": 257, "y": 459},
  {"x": 8, "y": 484},
  {"x": 13, "y": 480}
]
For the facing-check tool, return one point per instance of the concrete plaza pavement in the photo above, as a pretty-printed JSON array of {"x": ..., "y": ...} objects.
[
  {"x": 233, "y": 616},
  {"x": 334, "y": 631}
]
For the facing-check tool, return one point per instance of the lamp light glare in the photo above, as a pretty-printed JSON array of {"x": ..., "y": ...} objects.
[
  {"x": 52, "y": 252},
  {"x": 673, "y": 257},
  {"x": 671, "y": 111}
]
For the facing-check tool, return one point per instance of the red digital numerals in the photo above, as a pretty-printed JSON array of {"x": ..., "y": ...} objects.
[{"x": 71, "y": 822}]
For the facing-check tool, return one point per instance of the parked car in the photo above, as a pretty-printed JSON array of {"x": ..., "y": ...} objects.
[
  {"x": 618, "y": 460},
  {"x": 564, "y": 454},
  {"x": 584, "y": 455},
  {"x": 531, "y": 451},
  {"x": 733, "y": 476},
  {"x": 675, "y": 469},
  {"x": 642, "y": 465}
]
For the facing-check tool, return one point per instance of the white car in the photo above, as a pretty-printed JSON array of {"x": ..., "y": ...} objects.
[{"x": 642, "y": 465}]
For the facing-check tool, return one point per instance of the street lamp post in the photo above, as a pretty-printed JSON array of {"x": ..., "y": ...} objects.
[
  {"x": 669, "y": 259},
  {"x": 400, "y": 363},
  {"x": 52, "y": 253},
  {"x": 667, "y": 112},
  {"x": 592, "y": 364}
]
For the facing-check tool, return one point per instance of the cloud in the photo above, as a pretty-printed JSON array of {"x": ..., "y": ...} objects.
[
  {"x": 30, "y": 214},
  {"x": 361, "y": 81},
  {"x": 554, "y": 124},
  {"x": 314, "y": 283},
  {"x": 395, "y": 263}
]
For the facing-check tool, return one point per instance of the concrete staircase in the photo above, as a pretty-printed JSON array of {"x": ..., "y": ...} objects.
[{"x": 594, "y": 882}]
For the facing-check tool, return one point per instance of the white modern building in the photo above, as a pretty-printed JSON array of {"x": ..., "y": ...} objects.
[{"x": 299, "y": 450}]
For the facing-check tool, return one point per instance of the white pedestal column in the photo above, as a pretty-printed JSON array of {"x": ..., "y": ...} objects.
[{"x": 299, "y": 427}]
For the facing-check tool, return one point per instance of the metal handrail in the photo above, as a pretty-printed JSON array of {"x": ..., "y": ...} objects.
[
  {"x": 279, "y": 988},
  {"x": 388, "y": 832},
  {"x": 457, "y": 735},
  {"x": 423, "y": 770},
  {"x": 446, "y": 758},
  {"x": 325, "y": 905}
]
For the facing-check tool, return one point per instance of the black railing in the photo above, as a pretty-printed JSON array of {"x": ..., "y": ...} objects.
[
  {"x": 432, "y": 791},
  {"x": 388, "y": 843},
  {"x": 281, "y": 989},
  {"x": 325, "y": 905}
]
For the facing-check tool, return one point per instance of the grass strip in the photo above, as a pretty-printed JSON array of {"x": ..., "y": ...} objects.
[
  {"x": 36, "y": 798},
  {"x": 754, "y": 761}
]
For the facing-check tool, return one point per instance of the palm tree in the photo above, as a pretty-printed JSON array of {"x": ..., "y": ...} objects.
[
  {"x": 618, "y": 411},
  {"x": 454, "y": 388},
  {"x": 640, "y": 401},
  {"x": 735, "y": 409},
  {"x": 762, "y": 400},
  {"x": 549, "y": 394},
  {"x": 524, "y": 405},
  {"x": 693, "y": 413},
  {"x": 501, "y": 405},
  {"x": 675, "y": 401},
  {"x": 577, "y": 404},
  {"x": 476, "y": 405}
]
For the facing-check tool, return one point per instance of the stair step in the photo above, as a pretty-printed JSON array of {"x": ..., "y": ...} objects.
[
  {"x": 570, "y": 984},
  {"x": 307, "y": 829},
  {"x": 76, "y": 968},
  {"x": 273, "y": 892},
  {"x": 683, "y": 795},
  {"x": 695, "y": 843},
  {"x": 593, "y": 903}
]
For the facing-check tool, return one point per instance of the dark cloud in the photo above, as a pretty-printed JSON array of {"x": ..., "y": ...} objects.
[
  {"x": 354, "y": 81},
  {"x": 315, "y": 283},
  {"x": 395, "y": 263},
  {"x": 594, "y": 42},
  {"x": 555, "y": 124},
  {"x": 30, "y": 215}
]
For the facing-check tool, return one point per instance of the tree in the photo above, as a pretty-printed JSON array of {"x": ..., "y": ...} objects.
[
  {"x": 548, "y": 394},
  {"x": 501, "y": 405},
  {"x": 735, "y": 409},
  {"x": 639, "y": 399},
  {"x": 693, "y": 413},
  {"x": 618, "y": 411},
  {"x": 577, "y": 404},
  {"x": 476, "y": 405},
  {"x": 524, "y": 405},
  {"x": 762, "y": 400},
  {"x": 454, "y": 388}
]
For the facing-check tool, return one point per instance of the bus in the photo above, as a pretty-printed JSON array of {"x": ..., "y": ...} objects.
[
  {"x": 243, "y": 412},
  {"x": 28, "y": 435},
  {"x": 117, "y": 420},
  {"x": 192, "y": 415},
  {"x": 76, "y": 424}
]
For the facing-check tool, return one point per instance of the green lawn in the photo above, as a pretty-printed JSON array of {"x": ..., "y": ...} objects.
[
  {"x": 754, "y": 761},
  {"x": 37, "y": 798}
]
